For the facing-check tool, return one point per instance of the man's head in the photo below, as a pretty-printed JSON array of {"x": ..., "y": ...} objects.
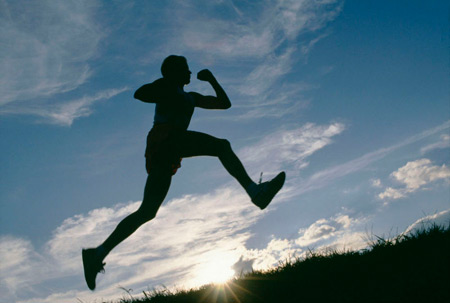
[{"x": 175, "y": 69}]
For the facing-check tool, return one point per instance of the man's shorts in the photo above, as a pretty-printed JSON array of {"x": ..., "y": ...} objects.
[{"x": 162, "y": 152}]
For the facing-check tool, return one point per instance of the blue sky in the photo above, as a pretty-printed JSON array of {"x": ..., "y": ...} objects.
[{"x": 350, "y": 98}]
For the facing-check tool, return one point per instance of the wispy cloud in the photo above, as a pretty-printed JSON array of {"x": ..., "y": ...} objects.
[
  {"x": 51, "y": 47},
  {"x": 290, "y": 147},
  {"x": 263, "y": 77},
  {"x": 262, "y": 39},
  {"x": 442, "y": 144},
  {"x": 62, "y": 113},
  {"x": 324, "y": 177},
  {"x": 46, "y": 48}
]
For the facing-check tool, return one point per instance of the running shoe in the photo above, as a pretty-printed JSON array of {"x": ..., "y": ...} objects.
[
  {"x": 268, "y": 190},
  {"x": 92, "y": 266}
]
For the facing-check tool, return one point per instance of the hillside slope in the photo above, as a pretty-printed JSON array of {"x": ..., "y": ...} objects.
[{"x": 411, "y": 268}]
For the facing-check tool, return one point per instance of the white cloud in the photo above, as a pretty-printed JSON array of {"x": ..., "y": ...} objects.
[
  {"x": 189, "y": 235},
  {"x": 392, "y": 193},
  {"x": 243, "y": 266},
  {"x": 415, "y": 175},
  {"x": 20, "y": 268},
  {"x": 441, "y": 219},
  {"x": 63, "y": 113},
  {"x": 420, "y": 172},
  {"x": 191, "y": 241},
  {"x": 320, "y": 229},
  {"x": 338, "y": 232},
  {"x": 376, "y": 183},
  {"x": 46, "y": 47},
  {"x": 323, "y": 229},
  {"x": 13, "y": 266},
  {"x": 277, "y": 250}
]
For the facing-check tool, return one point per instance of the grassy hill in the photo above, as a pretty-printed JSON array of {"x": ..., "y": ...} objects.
[{"x": 409, "y": 268}]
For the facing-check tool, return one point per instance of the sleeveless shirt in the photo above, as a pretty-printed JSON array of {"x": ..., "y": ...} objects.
[{"x": 178, "y": 112}]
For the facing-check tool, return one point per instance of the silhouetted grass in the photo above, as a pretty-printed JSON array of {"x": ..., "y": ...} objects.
[{"x": 409, "y": 268}]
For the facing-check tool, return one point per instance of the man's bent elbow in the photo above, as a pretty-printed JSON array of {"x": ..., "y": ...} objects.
[
  {"x": 225, "y": 103},
  {"x": 136, "y": 95},
  {"x": 140, "y": 96}
]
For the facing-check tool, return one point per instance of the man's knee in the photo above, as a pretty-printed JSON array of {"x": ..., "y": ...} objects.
[
  {"x": 144, "y": 215},
  {"x": 224, "y": 146},
  {"x": 148, "y": 216}
]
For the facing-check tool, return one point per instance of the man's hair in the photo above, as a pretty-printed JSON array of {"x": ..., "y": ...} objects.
[{"x": 171, "y": 65}]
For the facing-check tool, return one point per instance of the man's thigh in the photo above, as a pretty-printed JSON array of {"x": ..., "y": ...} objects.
[{"x": 192, "y": 144}]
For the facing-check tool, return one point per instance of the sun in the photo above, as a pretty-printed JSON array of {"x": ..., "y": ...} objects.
[{"x": 216, "y": 270}]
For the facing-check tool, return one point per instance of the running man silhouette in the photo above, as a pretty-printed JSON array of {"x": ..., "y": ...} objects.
[{"x": 167, "y": 143}]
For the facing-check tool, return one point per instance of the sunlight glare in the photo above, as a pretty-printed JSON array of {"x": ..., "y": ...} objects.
[{"x": 217, "y": 270}]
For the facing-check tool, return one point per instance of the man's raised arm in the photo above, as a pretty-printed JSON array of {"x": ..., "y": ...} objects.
[{"x": 221, "y": 101}]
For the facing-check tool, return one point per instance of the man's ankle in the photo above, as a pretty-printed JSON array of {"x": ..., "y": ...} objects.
[
  {"x": 252, "y": 189},
  {"x": 101, "y": 252}
]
